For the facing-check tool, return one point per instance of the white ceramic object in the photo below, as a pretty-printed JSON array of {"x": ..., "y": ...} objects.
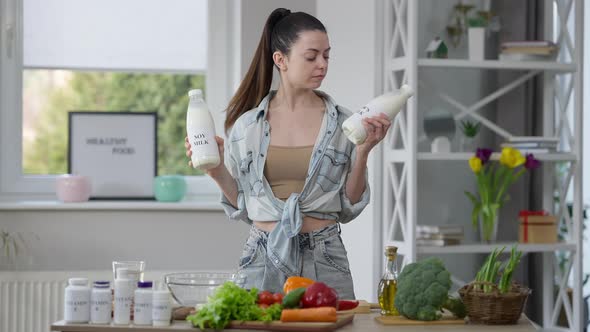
[
  {"x": 441, "y": 144},
  {"x": 73, "y": 188},
  {"x": 476, "y": 41}
]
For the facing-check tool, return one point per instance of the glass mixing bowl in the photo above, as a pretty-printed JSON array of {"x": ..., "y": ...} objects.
[{"x": 192, "y": 288}]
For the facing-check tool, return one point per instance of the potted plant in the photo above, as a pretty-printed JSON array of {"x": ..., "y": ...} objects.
[
  {"x": 478, "y": 28},
  {"x": 457, "y": 24},
  {"x": 13, "y": 249},
  {"x": 492, "y": 298},
  {"x": 493, "y": 180},
  {"x": 476, "y": 33},
  {"x": 470, "y": 130}
]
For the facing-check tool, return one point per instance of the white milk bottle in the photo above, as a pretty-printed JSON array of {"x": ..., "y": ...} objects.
[
  {"x": 200, "y": 130},
  {"x": 390, "y": 104}
]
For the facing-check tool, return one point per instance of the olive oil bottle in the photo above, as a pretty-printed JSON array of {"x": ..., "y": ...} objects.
[{"x": 388, "y": 284}]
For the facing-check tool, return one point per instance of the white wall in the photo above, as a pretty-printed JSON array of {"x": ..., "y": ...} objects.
[{"x": 74, "y": 240}]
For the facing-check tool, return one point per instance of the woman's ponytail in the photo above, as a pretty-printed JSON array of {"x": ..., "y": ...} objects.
[{"x": 256, "y": 84}]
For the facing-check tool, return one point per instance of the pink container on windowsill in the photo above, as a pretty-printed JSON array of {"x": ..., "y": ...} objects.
[{"x": 72, "y": 188}]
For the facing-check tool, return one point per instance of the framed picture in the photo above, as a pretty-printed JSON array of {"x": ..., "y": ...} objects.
[{"x": 118, "y": 151}]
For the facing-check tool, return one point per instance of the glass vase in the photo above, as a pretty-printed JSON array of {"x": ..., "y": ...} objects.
[{"x": 488, "y": 228}]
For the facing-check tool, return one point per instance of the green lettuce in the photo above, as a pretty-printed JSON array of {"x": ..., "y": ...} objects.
[{"x": 230, "y": 302}]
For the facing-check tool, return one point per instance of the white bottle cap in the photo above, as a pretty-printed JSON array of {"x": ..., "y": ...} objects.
[
  {"x": 78, "y": 281},
  {"x": 406, "y": 90},
  {"x": 161, "y": 295},
  {"x": 195, "y": 93}
]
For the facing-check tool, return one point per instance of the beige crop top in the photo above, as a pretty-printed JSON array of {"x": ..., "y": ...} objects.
[{"x": 286, "y": 169}]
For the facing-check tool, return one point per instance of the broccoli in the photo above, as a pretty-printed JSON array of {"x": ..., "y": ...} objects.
[{"x": 423, "y": 291}]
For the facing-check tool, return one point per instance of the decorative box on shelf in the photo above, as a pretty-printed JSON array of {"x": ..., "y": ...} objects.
[{"x": 537, "y": 227}]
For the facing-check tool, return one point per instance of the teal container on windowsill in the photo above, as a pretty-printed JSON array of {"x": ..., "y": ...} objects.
[{"x": 169, "y": 188}]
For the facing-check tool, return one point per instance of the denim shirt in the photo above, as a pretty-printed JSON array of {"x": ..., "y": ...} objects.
[{"x": 323, "y": 195}]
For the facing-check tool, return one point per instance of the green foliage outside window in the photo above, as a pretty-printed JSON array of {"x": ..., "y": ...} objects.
[{"x": 165, "y": 94}]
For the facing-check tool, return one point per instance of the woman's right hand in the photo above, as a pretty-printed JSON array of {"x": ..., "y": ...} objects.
[{"x": 212, "y": 172}]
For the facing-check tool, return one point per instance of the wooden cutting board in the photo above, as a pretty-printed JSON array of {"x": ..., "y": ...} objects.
[
  {"x": 447, "y": 319},
  {"x": 364, "y": 307},
  {"x": 185, "y": 326},
  {"x": 303, "y": 327}
]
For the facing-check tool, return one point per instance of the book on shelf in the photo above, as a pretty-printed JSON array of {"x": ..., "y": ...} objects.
[
  {"x": 438, "y": 236},
  {"x": 440, "y": 229},
  {"x": 517, "y": 145},
  {"x": 528, "y": 43},
  {"x": 527, "y": 139},
  {"x": 530, "y": 50},
  {"x": 535, "y": 150},
  {"x": 525, "y": 57},
  {"x": 437, "y": 242},
  {"x": 532, "y": 144}
]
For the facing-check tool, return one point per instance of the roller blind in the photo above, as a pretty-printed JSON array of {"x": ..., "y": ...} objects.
[{"x": 153, "y": 35}]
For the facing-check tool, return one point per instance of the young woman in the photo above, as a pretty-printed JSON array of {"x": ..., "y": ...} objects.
[{"x": 289, "y": 170}]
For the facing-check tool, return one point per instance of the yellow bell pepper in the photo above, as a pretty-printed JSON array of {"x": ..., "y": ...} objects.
[{"x": 296, "y": 282}]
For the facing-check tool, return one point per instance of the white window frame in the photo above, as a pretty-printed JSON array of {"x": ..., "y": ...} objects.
[{"x": 14, "y": 186}]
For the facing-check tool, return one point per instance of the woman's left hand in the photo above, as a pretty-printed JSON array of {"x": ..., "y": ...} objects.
[{"x": 376, "y": 128}]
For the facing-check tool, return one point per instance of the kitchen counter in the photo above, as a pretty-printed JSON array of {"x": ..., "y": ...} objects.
[{"x": 361, "y": 323}]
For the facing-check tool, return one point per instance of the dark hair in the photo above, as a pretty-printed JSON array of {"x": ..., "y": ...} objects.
[{"x": 281, "y": 30}]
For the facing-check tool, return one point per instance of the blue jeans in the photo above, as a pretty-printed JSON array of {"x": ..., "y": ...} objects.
[{"x": 323, "y": 258}]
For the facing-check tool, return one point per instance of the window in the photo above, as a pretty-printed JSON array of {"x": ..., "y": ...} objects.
[
  {"x": 97, "y": 55},
  {"x": 48, "y": 95}
]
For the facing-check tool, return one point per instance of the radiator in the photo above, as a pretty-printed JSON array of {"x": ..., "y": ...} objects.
[{"x": 32, "y": 301}]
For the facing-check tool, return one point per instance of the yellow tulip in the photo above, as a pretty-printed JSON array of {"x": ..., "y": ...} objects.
[
  {"x": 475, "y": 164},
  {"x": 511, "y": 157}
]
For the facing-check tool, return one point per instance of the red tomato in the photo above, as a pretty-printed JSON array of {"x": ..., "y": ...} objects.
[
  {"x": 277, "y": 298},
  {"x": 265, "y": 297},
  {"x": 263, "y": 305}
]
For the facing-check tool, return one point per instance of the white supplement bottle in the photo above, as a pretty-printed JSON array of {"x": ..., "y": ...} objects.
[
  {"x": 200, "y": 130},
  {"x": 101, "y": 302},
  {"x": 124, "y": 288},
  {"x": 142, "y": 314},
  {"x": 161, "y": 308},
  {"x": 389, "y": 103},
  {"x": 77, "y": 301}
]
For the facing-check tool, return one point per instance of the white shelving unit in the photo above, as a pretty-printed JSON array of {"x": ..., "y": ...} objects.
[{"x": 562, "y": 117}]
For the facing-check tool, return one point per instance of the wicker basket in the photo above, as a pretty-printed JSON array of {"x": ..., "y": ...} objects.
[{"x": 493, "y": 308}]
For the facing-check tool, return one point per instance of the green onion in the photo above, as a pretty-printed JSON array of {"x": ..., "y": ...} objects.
[{"x": 490, "y": 270}]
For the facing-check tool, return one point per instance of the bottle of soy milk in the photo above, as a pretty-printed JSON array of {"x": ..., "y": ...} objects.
[{"x": 200, "y": 130}]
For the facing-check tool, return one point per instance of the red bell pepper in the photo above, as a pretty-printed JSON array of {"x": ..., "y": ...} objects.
[
  {"x": 319, "y": 294},
  {"x": 347, "y": 304}
]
